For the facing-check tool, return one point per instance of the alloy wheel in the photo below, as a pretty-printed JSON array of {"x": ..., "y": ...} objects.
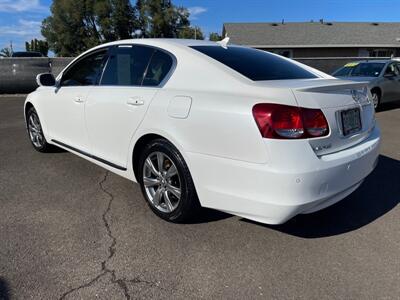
[
  {"x": 162, "y": 182},
  {"x": 35, "y": 131},
  {"x": 375, "y": 100}
]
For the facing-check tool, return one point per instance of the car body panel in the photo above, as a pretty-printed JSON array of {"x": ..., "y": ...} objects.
[
  {"x": 68, "y": 127},
  {"x": 274, "y": 193},
  {"x": 112, "y": 115}
]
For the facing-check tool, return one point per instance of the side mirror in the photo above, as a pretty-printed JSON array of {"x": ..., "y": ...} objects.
[{"x": 45, "y": 79}]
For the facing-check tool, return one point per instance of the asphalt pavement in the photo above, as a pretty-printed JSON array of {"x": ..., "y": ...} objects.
[{"x": 71, "y": 230}]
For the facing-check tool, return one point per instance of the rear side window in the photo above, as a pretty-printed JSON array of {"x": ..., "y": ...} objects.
[
  {"x": 127, "y": 65},
  {"x": 159, "y": 67},
  {"x": 255, "y": 64}
]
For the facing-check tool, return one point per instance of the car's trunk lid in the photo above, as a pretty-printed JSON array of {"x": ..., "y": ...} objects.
[
  {"x": 327, "y": 92},
  {"x": 333, "y": 96}
]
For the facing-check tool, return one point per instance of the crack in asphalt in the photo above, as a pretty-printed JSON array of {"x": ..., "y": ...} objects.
[
  {"x": 137, "y": 280},
  {"x": 111, "y": 250},
  {"x": 122, "y": 283}
]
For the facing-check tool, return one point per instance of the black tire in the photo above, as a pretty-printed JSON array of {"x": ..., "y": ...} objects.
[
  {"x": 376, "y": 98},
  {"x": 34, "y": 128},
  {"x": 188, "y": 205}
]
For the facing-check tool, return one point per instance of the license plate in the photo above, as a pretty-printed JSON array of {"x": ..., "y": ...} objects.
[{"x": 351, "y": 121}]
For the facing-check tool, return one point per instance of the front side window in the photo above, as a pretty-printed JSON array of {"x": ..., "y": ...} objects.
[
  {"x": 255, "y": 64},
  {"x": 392, "y": 69},
  {"x": 86, "y": 71},
  {"x": 127, "y": 65}
]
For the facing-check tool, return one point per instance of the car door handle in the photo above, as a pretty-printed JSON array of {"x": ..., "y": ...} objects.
[
  {"x": 78, "y": 99},
  {"x": 135, "y": 101}
]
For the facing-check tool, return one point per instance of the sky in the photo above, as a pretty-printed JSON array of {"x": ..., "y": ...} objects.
[{"x": 20, "y": 20}]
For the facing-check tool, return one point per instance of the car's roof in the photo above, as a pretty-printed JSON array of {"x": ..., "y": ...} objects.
[
  {"x": 164, "y": 41},
  {"x": 168, "y": 44}
]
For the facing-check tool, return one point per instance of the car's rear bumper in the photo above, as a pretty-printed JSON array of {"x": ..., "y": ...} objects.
[{"x": 273, "y": 195}]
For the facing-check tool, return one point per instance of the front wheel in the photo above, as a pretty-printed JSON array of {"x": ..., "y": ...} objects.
[
  {"x": 376, "y": 99},
  {"x": 166, "y": 182},
  {"x": 35, "y": 132}
]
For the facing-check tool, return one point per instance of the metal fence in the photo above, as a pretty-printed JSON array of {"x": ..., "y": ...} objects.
[{"x": 18, "y": 75}]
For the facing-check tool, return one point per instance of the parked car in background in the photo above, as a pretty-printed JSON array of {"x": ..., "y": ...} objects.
[
  {"x": 27, "y": 54},
  {"x": 383, "y": 77},
  {"x": 198, "y": 123}
]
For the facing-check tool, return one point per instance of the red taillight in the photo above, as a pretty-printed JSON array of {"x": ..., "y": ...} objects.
[
  {"x": 315, "y": 122},
  {"x": 289, "y": 122}
]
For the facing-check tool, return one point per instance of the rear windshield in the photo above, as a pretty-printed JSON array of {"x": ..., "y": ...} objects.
[
  {"x": 368, "y": 69},
  {"x": 255, "y": 64}
]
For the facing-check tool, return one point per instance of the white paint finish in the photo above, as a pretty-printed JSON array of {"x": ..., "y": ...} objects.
[
  {"x": 179, "y": 107},
  {"x": 65, "y": 116},
  {"x": 233, "y": 168},
  {"x": 224, "y": 117},
  {"x": 295, "y": 183},
  {"x": 112, "y": 116}
]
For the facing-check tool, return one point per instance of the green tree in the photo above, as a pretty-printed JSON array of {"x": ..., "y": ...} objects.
[
  {"x": 37, "y": 46},
  {"x": 123, "y": 19},
  {"x": 191, "y": 33},
  {"x": 161, "y": 19},
  {"x": 6, "y": 52},
  {"x": 75, "y": 26},
  {"x": 215, "y": 37},
  {"x": 142, "y": 19}
]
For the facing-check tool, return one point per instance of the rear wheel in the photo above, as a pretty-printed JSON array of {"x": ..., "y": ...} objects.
[
  {"x": 35, "y": 132},
  {"x": 166, "y": 182}
]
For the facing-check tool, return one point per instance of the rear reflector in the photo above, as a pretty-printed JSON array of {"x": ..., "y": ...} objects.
[{"x": 278, "y": 121}]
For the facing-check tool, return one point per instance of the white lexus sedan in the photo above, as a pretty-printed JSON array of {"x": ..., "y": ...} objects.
[{"x": 204, "y": 124}]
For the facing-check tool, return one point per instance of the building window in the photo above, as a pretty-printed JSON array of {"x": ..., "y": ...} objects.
[{"x": 381, "y": 52}]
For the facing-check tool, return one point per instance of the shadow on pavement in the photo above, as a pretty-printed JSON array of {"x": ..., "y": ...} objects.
[
  {"x": 379, "y": 194},
  {"x": 389, "y": 106},
  {"x": 55, "y": 149},
  {"x": 209, "y": 215},
  {"x": 4, "y": 289}
]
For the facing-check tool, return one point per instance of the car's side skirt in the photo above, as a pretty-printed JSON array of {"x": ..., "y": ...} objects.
[{"x": 89, "y": 155}]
